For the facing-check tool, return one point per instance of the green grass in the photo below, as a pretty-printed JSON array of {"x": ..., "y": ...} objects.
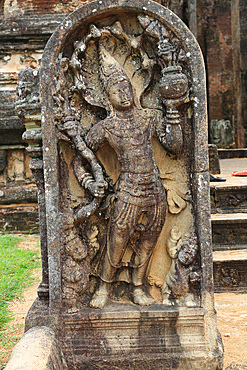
[
  {"x": 7, "y": 342},
  {"x": 16, "y": 266}
]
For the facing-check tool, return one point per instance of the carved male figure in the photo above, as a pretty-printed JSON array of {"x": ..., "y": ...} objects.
[{"x": 140, "y": 203}]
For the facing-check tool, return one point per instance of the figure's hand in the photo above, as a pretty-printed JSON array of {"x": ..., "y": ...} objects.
[
  {"x": 97, "y": 189},
  {"x": 173, "y": 252},
  {"x": 71, "y": 128},
  {"x": 175, "y": 234}
]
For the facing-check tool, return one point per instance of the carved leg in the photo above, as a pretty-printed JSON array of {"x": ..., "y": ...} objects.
[
  {"x": 100, "y": 297},
  {"x": 166, "y": 292},
  {"x": 144, "y": 249},
  {"x": 117, "y": 241},
  {"x": 138, "y": 276},
  {"x": 139, "y": 295}
]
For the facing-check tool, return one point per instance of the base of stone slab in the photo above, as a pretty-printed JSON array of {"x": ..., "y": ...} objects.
[
  {"x": 150, "y": 362},
  {"x": 126, "y": 336}
]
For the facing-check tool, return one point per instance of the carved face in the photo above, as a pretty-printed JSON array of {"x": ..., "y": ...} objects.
[
  {"x": 186, "y": 254},
  {"x": 121, "y": 95}
]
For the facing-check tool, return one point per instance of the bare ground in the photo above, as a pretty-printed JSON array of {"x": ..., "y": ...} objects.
[
  {"x": 232, "y": 324},
  {"x": 231, "y": 311},
  {"x": 19, "y": 306}
]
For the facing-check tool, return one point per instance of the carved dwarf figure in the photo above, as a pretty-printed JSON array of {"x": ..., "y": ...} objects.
[
  {"x": 27, "y": 90},
  {"x": 140, "y": 200},
  {"x": 180, "y": 276}
]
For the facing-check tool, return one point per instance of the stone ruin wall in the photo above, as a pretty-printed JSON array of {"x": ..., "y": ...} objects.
[
  {"x": 24, "y": 31},
  {"x": 221, "y": 33}
]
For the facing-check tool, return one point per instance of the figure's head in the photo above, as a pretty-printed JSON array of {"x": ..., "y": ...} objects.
[
  {"x": 115, "y": 81},
  {"x": 185, "y": 255},
  {"x": 120, "y": 95}
]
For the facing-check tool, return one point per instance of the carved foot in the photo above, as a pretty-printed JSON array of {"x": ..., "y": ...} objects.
[
  {"x": 100, "y": 297},
  {"x": 99, "y": 300},
  {"x": 189, "y": 301},
  {"x": 141, "y": 298},
  {"x": 167, "y": 302},
  {"x": 73, "y": 310}
]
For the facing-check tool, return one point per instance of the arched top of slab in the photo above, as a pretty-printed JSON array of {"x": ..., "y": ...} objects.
[
  {"x": 99, "y": 9},
  {"x": 73, "y": 26}
]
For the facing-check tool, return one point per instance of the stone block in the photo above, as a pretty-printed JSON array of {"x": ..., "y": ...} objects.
[{"x": 37, "y": 349}]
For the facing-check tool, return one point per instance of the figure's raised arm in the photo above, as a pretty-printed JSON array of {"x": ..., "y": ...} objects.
[
  {"x": 169, "y": 135},
  {"x": 96, "y": 137}
]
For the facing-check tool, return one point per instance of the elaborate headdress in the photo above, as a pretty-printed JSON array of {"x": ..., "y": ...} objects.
[{"x": 111, "y": 71}]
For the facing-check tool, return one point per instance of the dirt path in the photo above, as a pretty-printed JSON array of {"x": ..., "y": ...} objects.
[
  {"x": 232, "y": 324},
  {"x": 231, "y": 311},
  {"x": 20, "y": 306}
]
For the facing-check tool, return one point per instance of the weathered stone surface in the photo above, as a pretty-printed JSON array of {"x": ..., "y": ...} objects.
[
  {"x": 37, "y": 349},
  {"x": 229, "y": 231},
  {"x": 199, "y": 94},
  {"x": 17, "y": 193},
  {"x": 239, "y": 28},
  {"x": 214, "y": 163},
  {"x": 125, "y": 336},
  {"x": 228, "y": 199},
  {"x": 11, "y": 127},
  {"x": 19, "y": 217},
  {"x": 124, "y": 138},
  {"x": 232, "y": 153},
  {"x": 214, "y": 36},
  {"x": 230, "y": 273},
  {"x": 3, "y": 160},
  {"x": 15, "y": 176},
  {"x": 222, "y": 133},
  {"x": 17, "y": 166}
]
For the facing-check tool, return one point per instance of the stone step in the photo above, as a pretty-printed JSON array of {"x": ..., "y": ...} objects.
[
  {"x": 16, "y": 218},
  {"x": 18, "y": 193},
  {"x": 228, "y": 198},
  {"x": 232, "y": 153},
  {"x": 230, "y": 271},
  {"x": 229, "y": 231}
]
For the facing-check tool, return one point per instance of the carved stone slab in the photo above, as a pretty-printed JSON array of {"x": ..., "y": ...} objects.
[{"x": 127, "y": 191}]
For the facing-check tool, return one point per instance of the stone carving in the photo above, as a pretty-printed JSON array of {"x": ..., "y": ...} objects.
[
  {"x": 27, "y": 90},
  {"x": 181, "y": 274},
  {"x": 3, "y": 160},
  {"x": 222, "y": 133},
  {"x": 173, "y": 84},
  {"x": 235, "y": 200},
  {"x": 124, "y": 119},
  {"x": 28, "y": 110},
  {"x": 126, "y": 186},
  {"x": 228, "y": 277}
]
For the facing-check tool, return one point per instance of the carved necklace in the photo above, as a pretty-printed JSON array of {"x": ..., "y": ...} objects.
[{"x": 127, "y": 128}]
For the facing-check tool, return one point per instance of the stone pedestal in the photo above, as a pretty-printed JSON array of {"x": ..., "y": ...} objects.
[{"x": 124, "y": 336}]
